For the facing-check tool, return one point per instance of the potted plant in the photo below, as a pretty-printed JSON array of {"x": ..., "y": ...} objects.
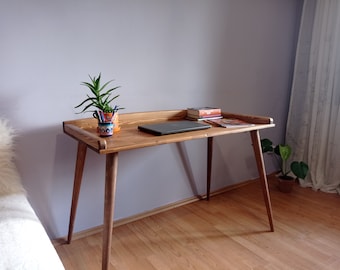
[
  {"x": 282, "y": 152},
  {"x": 99, "y": 103}
]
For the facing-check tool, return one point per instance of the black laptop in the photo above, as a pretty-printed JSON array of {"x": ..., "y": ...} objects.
[{"x": 172, "y": 127}]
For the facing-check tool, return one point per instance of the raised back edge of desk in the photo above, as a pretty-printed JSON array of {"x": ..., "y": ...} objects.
[
  {"x": 153, "y": 116},
  {"x": 254, "y": 119}
]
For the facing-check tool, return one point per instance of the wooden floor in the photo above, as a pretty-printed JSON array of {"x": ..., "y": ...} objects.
[{"x": 231, "y": 231}]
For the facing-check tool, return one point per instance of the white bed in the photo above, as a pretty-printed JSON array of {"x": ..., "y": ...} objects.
[{"x": 24, "y": 243}]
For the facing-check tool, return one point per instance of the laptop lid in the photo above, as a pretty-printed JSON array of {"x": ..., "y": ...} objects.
[{"x": 172, "y": 127}]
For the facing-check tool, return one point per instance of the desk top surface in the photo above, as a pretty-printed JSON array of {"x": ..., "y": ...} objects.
[{"x": 129, "y": 137}]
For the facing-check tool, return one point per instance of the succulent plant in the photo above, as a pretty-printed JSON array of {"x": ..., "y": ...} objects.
[{"x": 101, "y": 98}]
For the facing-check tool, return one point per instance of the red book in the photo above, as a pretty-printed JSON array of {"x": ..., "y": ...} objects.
[{"x": 200, "y": 112}]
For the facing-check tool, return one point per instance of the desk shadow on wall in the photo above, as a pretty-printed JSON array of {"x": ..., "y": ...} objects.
[
  {"x": 233, "y": 160},
  {"x": 63, "y": 179},
  {"x": 46, "y": 160},
  {"x": 188, "y": 169},
  {"x": 35, "y": 159}
]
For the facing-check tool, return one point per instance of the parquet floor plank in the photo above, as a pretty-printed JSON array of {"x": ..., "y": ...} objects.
[{"x": 230, "y": 231}]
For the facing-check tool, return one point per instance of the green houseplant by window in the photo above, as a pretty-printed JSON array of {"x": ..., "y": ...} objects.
[{"x": 282, "y": 153}]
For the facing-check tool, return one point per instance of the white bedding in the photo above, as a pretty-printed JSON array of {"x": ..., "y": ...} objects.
[{"x": 24, "y": 244}]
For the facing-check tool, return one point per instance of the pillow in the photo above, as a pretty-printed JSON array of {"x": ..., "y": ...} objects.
[{"x": 9, "y": 176}]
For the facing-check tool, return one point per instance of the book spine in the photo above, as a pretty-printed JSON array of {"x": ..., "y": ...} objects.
[
  {"x": 195, "y": 118},
  {"x": 204, "y": 116},
  {"x": 204, "y": 112}
]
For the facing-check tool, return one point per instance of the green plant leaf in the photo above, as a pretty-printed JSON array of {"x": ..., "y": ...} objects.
[
  {"x": 300, "y": 169},
  {"x": 112, "y": 98},
  {"x": 266, "y": 145},
  {"x": 86, "y": 107},
  {"x": 103, "y": 87},
  {"x": 285, "y": 151}
]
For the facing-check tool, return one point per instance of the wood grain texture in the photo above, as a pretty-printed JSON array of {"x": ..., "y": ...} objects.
[
  {"x": 255, "y": 137},
  {"x": 84, "y": 130},
  {"x": 129, "y": 137},
  {"x": 109, "y": 203},
  {"x": 78, "y": 176},
  {"x": 229, "y": 231}
]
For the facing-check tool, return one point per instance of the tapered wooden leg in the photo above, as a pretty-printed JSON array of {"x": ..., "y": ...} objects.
[
  {"x": 110, "y": 191},
  {"x": 209, "y": 165},
  {"x": 78, "y": 175},
  {"x": 255, "y": 137}
]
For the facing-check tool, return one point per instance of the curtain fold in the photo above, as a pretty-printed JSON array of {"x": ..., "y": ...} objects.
[{"x": 313, "y": 126}]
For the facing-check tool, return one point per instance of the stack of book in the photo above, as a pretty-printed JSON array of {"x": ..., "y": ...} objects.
[{"x": 204, "y": 113}]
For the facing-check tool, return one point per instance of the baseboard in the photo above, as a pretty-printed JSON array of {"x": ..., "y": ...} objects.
[{"x": 98, "y": 229}]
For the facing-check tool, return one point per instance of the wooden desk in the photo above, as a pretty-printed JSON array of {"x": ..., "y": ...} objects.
[{"x": 84, "y": 131}]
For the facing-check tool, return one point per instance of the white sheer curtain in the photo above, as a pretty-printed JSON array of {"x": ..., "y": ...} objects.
[{"x": 313, "y": 127}]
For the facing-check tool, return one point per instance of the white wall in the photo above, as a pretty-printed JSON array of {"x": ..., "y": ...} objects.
[{"x": 166, "y": 54}]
